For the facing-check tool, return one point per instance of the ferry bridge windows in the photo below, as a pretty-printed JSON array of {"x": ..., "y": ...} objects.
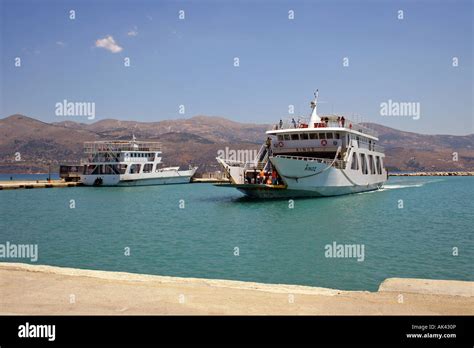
[
  {"x": 363, "y": 163},
  {"x": 371, "y": 164},
  {"x": 147, "y": 168},
  {"x": 322, "y": 135},
  {"x": 151, "y": 158},
  {"x": 355, "y": 162},
  {"x": 304, "y": 136},
  {"x": 328, "y": 135},
  {"x": 313, "y": 136},
  {"x": 287, "y": 136},
  {"x": 379, "y": 165},
  {"x": 294, "y": 137}
]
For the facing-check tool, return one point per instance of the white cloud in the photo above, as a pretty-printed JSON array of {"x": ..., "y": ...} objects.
[
  {"x": 109, "y": 44},
  {"x": 133, "y": 32},
  {"x": 60, "y": 43}
]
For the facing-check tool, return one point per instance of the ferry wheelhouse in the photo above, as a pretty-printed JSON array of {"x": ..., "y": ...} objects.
[
  {"x": 324, "y": 155},
  {"x": 129, "y": 163}
]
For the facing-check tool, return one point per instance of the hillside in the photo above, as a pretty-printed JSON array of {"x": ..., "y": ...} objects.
[{"x": 196, "y": 140}]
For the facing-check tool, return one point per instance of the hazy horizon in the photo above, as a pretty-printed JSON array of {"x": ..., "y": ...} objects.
[
  {"x": 79, "y": 121},
  {"x": 359, "y": 55}
]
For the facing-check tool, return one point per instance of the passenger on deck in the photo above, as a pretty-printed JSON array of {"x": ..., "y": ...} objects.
[
  {"x": 281, "y": 124},
  {"x": 293, "y": 122},
  {"x": 343, "y": 120},
  {"x": 274, "y": 177},
  {"x": 262, "y": 177}
]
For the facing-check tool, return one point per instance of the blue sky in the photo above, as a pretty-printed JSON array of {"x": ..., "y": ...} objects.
[{"x": 190, "y": 62}]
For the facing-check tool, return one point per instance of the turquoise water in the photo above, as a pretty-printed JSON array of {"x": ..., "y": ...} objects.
[{"x": 276, "y": 244}]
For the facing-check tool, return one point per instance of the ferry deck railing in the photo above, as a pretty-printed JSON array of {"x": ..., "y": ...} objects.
[
  {"x": 302, "y": 123},
  {"x": 91, "y": 147}
]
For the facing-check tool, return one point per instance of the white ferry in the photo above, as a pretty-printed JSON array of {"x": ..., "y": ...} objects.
[
  {"x": 320, "y": 156},
  {"x": 129, "y": 163}
]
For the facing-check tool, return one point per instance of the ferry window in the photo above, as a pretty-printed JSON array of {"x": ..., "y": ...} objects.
[
  {"x": 322, "y": 135},
  {"x": 287, "y": 136},
  {"x": 157, "y": 168},
  {"x": 294, "y": 137},
  {"x": 280, "y": 137},
  {"x": 147, "y": 168},
  {"x": 304, "y": 136},
  {"x": 371, "y": 164},
  {"x": 328, "y": 135},
  {"x": 313, "y": 135},
  {"x": 135, "y": 168},
  {"x": 123, "y": 168},
  {"x": 363, "y": 163},
  {"x": 379, "y": 166},
  {"x": 151, "y": 157},
  {"x": 355, "y": 162},
  {"x": 337, "y": 136}
]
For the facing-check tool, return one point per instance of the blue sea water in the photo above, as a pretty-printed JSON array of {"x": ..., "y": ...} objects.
[{"x": 276, "y": 244}]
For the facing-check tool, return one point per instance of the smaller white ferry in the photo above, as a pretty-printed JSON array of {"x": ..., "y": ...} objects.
[{"x": 129, "y": 163}]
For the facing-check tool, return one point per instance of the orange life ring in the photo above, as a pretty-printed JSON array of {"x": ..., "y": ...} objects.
[
  {"x": 324, "y": 142},
  {"x": 280, "y": 144}
]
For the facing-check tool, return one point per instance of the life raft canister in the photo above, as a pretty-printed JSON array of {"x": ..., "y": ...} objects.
[
  {"x": 280, "y": 144},
  {"x": 324, "y": 142}
]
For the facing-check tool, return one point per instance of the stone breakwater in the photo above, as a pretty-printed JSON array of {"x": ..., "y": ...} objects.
[
  {"x": 46, "y": 290},
  {"x": 433, "y": 174}
]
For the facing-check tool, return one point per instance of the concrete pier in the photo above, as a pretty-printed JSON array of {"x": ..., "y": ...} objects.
[
  {"x": 43, "y": 290},
  {"x": 29, "y": 184}
]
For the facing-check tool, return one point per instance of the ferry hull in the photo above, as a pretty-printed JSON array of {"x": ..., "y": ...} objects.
[
  {"x": 303, "y": 178},
  {"x": 270, "y": 192},
  {"x": 161, "y": 178},
  {"x": 321, "y": 179}
]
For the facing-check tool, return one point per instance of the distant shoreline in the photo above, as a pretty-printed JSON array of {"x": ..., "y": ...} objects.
[{"x": 432, "y": 174}]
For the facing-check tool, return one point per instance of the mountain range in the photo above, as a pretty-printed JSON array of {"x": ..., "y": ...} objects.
[{"x": 28, "y": 145}]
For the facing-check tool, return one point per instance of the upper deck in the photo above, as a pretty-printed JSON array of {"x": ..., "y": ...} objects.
[
  {"x": 92, "y": 147},
  {"x": 328, "y": 123}
]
